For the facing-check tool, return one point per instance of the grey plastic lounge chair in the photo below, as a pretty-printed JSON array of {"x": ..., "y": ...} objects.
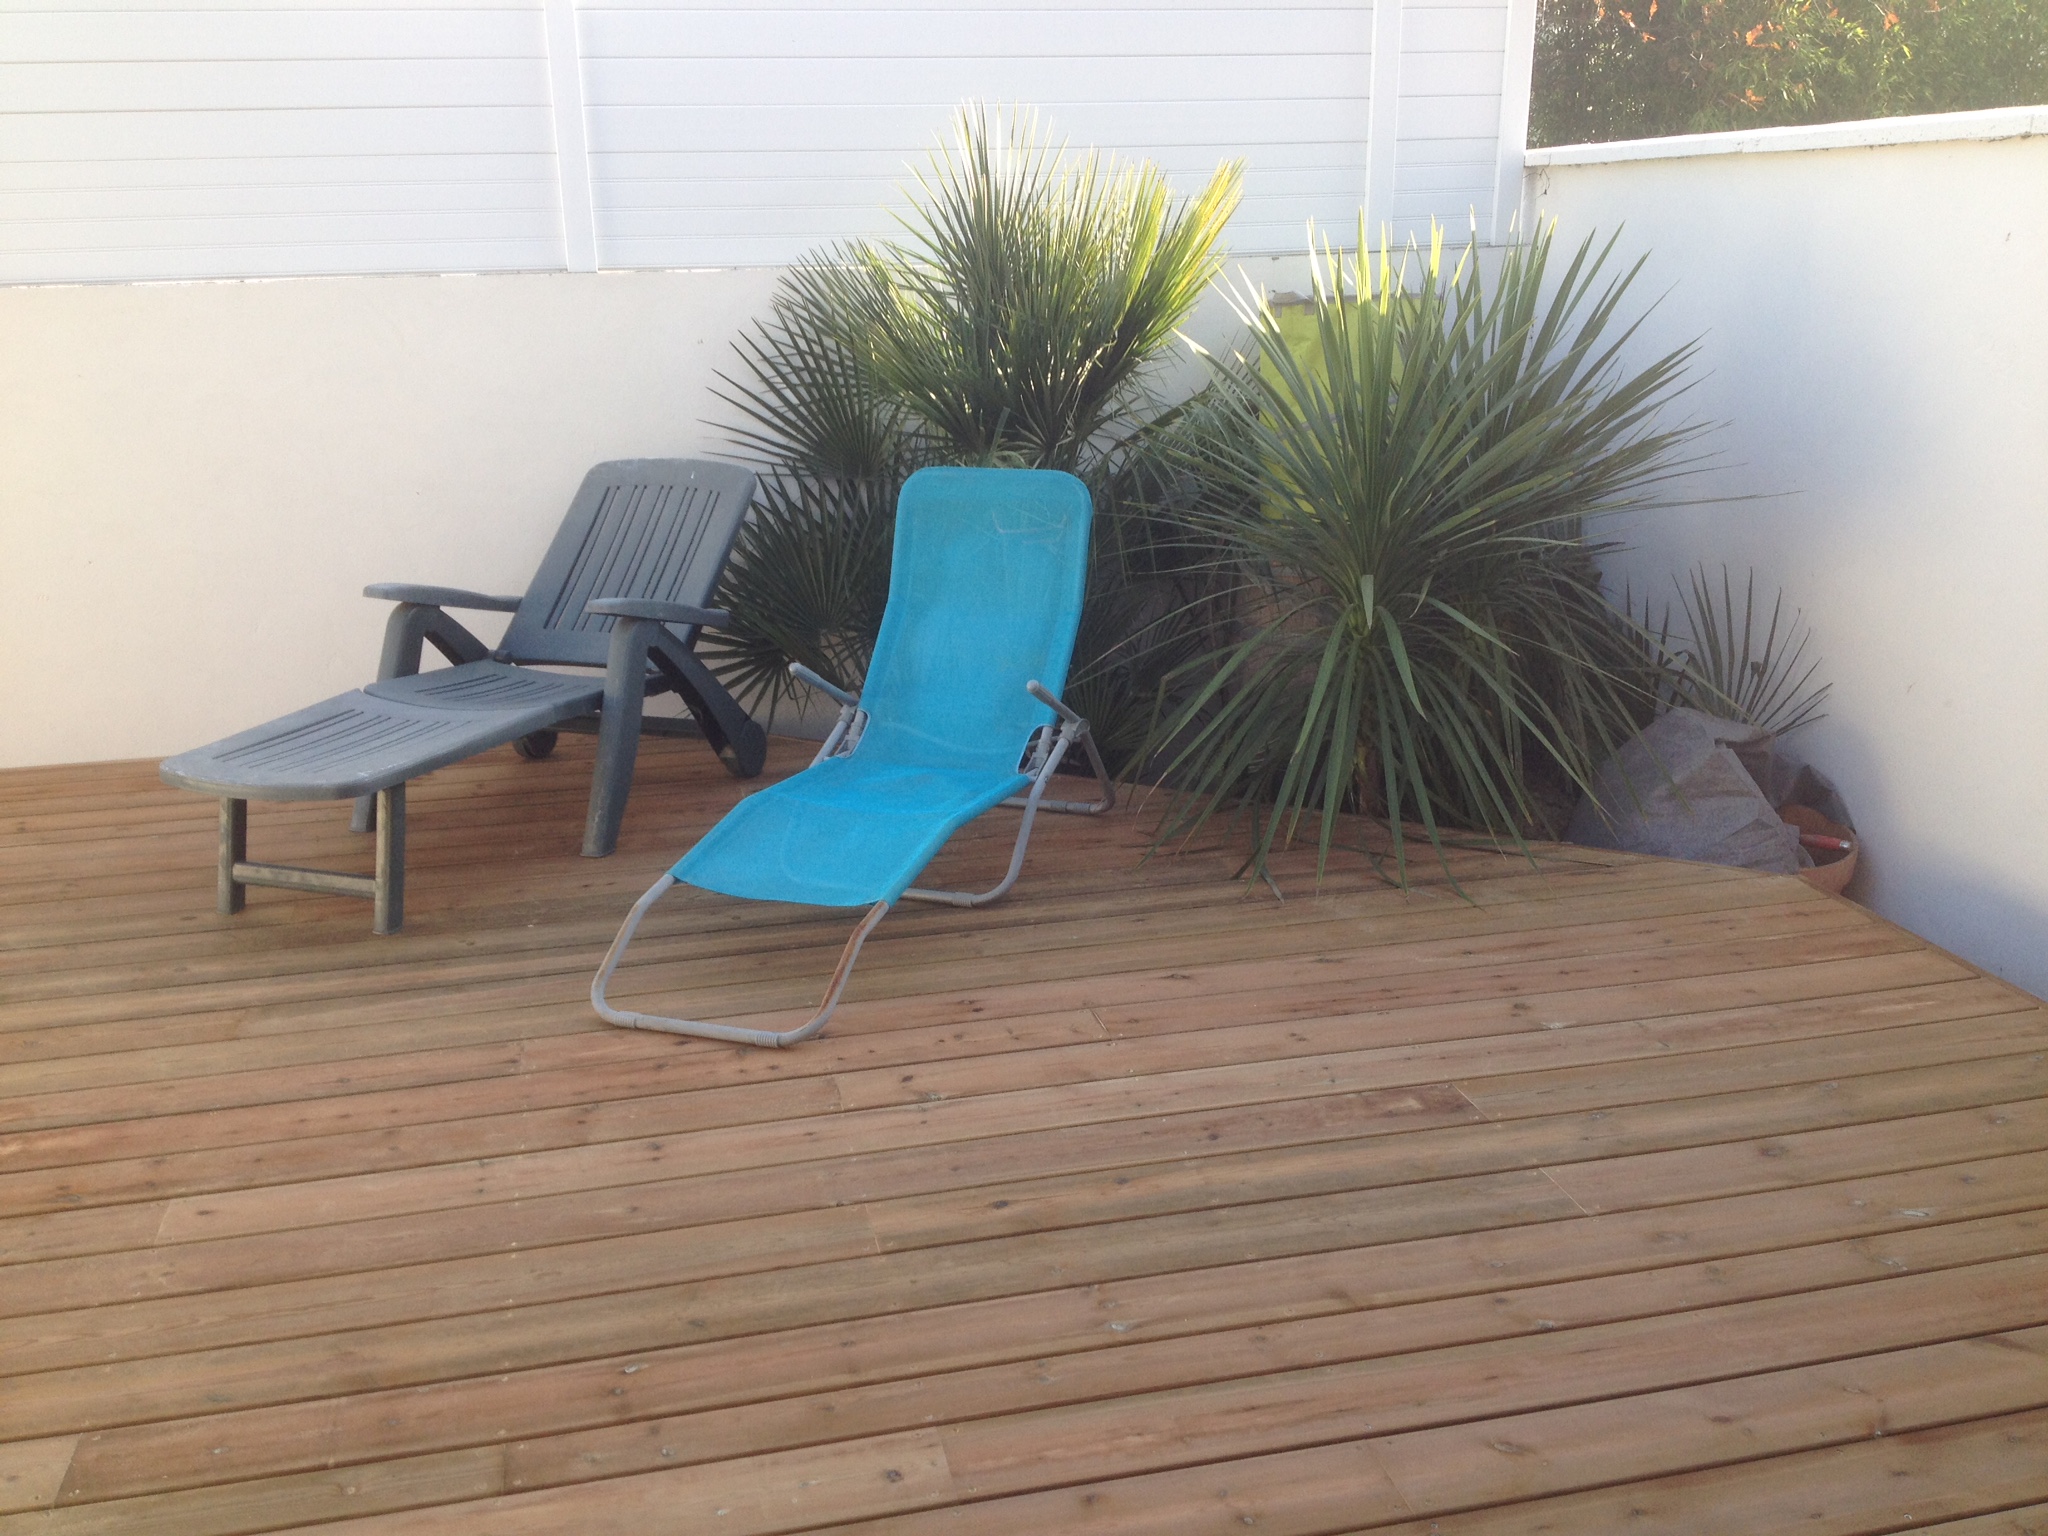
[
  {"x": 623, "y": 587},
  {"x": 960, "y": 713}
]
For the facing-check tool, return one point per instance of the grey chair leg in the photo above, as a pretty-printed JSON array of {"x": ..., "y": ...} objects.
[
  {"x": 732, "y": 733},
  {"x": 618, "y": 737},
  {"x": 739, "y": 742},
  {"x": 386, "y": 888},
  {"x": 230, "y": 894},
  {"x": 405, "y": 633},
  {"x": 389, "y": 911},
  {"x": 1103, "y": 804}
]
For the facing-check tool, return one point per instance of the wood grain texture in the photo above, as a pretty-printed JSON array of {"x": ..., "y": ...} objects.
[{"x": 1593, "y": 1194}]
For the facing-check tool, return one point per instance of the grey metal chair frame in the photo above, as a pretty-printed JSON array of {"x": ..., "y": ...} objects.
[{"x": 1049, "y": 748}]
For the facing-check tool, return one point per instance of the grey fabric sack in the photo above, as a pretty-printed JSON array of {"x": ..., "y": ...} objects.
[{"x": 1688, "y": 788}]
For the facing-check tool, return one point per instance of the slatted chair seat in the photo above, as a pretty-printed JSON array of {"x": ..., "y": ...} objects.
[{"x": 357, "y": 743}]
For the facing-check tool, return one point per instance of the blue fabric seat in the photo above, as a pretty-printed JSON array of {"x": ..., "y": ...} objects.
[
  {"x": 960, "y": 713},
  {"x": 847, "y": 832}
]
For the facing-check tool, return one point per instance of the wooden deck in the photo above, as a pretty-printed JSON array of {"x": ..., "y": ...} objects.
[{"x": 1624, "y": 1195}]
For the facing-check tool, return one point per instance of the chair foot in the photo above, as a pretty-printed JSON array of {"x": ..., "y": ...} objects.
[
  {"x": 628, "y": 1019},
  {"x": 1100, "y": 806},
  {"x": 746, "y": 752},
  {"x": 231, "y": 894}
]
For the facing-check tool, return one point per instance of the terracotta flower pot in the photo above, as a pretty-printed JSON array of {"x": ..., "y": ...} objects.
[{"x": 1832, "y": 867}]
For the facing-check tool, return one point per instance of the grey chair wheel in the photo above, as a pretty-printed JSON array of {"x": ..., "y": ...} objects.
[
  {"x": 535, "y": 745},
  {"x": 747, "y": 754}
]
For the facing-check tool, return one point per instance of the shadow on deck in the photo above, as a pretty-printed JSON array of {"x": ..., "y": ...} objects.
[{"x": 1622, "y": 1195}]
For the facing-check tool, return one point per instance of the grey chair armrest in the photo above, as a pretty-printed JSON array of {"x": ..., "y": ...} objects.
[
  {"x": 440, "y": 597},
  {"x": 665, "y": 613},
  {"x": 804, "y": 674},
  {"x": 1058, "y": 705}
]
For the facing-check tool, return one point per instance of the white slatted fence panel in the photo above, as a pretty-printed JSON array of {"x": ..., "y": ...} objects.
[
  {"x": 761, "y": 129},
  {"x": 1448, "y": 148},
  {"x": 152, "y": 140},
  {"x": 156, "y": 138}
]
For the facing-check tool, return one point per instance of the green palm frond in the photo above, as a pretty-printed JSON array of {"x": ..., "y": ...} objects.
[
  {"x": 1726, "y": 669},
  {"x": 1031, "y": 289},
  {"x": 809, "y": 402},
  {"x": 1015, "y": 321},
  {"x": 809, "y": 576}
]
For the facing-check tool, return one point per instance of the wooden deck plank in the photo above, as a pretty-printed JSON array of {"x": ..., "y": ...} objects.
[
  {"x": 1128, "y": 1414},
  {"x": 1412, "y": 1266},
  {"x": 1910, "y": 1068},
  {"x": 268, "y": 1069},
  {"x": 755, "y": 974},
  {"x": 1071, "y": 1100},
  {"x": 432, "y": 1257},
  {"x": 1058, "y": 873},
  {"x": 1893, "y": 1484},
  {"x": 341, "y": 1092},
  {"x": 1654, "y": 1434},
  {"x": 32, "y": 1472},
  {"x": 646, "y": 1389},
  {"x": 1139, "y": 1202},
  {"x": 2030, "y": 1521},
  {"x": 903, "y": 1207},
  {"x": 1899, "y": 1482}
]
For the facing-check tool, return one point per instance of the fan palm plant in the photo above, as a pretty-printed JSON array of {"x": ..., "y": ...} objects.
[
  {"x": 1425, "y": 628},
  {"x": 1017, "y": 317},
  {"x": 1726, "y": 669},
  {"x": 1016, "y": 320}
]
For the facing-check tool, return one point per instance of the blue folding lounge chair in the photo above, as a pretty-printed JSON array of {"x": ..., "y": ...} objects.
[{"x": 960, "y": 713}]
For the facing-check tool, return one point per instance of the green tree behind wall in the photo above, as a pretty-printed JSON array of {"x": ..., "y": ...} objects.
[{"x": 1629, "y": 69}]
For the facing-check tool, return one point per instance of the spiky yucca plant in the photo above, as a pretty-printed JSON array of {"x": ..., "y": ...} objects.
[
  {"x": 1014, "y": 321},
  {"x": 1427, "y": 630}
]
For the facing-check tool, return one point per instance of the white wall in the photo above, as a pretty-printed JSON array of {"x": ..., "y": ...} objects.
[
  {"x": 198, "y": 479},
  {"x": 1875, "y": 324}
]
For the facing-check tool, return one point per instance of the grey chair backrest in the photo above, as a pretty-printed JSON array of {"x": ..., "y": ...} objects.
[{"x": 649, "y": 528}]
